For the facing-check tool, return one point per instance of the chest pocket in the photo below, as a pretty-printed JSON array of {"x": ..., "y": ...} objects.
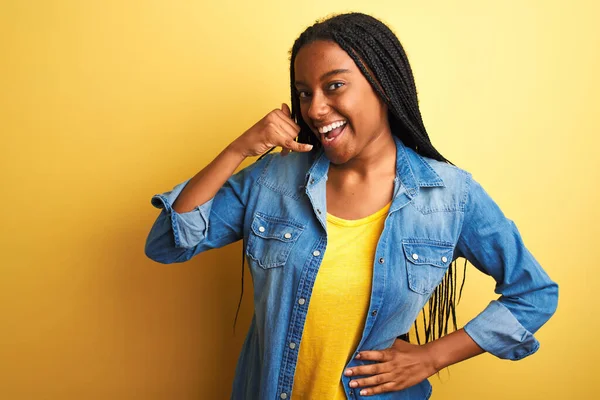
[
  {"x": 426, "y": 262},
  {"x": 271, "y": 239}
]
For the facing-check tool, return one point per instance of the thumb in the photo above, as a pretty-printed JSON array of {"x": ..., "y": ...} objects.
[
  {"x": 286, "y": 110},
  {"x": 300, "y": 147}
]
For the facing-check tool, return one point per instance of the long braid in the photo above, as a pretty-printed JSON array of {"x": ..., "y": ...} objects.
[
  {"x": 381, "y": 58},
  {"x": 378, "y": 54}
]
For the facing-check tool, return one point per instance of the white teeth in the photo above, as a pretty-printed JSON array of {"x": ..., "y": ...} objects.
[{"x": 330, "y": 127}]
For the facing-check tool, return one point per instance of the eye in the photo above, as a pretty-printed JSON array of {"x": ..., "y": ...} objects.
[
  {"x": 302, "y": 94},
  {"x": 335, "y": 85}
]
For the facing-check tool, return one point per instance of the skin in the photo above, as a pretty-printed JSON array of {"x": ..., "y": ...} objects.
[{"x": 360, "y": 182}]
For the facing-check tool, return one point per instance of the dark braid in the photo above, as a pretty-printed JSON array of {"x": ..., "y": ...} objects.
[{"x": 380, "y": 57}]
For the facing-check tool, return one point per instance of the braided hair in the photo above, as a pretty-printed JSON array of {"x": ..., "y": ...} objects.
[
  {"x": 373, "y": 47},
  {"x": 380, "y": 57}
]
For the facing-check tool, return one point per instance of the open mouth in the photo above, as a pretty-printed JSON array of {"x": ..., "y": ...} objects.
[{"x": 331, "y": 132}]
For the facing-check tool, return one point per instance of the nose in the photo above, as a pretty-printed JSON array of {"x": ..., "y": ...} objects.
[{"x": 318, "y": 107}]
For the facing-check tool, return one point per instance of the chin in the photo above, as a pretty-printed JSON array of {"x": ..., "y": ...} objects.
[{"x": 338, "y": 159}]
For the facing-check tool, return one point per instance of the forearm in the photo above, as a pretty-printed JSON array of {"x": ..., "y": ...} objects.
[
  {"x": 206, "y": 183},
  {"x": 452, "y": 348}
]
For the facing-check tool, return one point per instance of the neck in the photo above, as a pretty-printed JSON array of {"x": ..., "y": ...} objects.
[{"x": 378, "y": 157}]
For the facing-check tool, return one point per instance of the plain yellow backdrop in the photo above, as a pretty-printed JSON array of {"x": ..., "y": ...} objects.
[{"x": 105, "y": 103}]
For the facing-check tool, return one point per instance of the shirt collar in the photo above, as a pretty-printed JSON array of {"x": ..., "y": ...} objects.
[{"x": 412, "y": 169}]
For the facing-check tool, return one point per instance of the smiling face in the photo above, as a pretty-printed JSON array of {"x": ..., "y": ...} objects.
[{"x": 338, "y": 103}]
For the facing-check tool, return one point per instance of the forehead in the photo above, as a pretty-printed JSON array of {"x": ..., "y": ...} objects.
[{"x": 319, "y": 57}]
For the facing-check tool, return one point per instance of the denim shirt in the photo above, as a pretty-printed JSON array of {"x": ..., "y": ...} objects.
[{"x": 277, "y": 205}]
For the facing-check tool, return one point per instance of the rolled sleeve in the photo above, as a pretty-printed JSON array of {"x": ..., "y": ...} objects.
[
  {"x": 177, "y": 237},
  {"x": 509, "y": 339},
  {"x": 188, "y": 228},
  {"x": 528, "y": 297}
]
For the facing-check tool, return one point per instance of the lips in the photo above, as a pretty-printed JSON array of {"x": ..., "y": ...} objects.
[
  {"x": 329, "y": 127},
  {"x": 332, "y": 137}
]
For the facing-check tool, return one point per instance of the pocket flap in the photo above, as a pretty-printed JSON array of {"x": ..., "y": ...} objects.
[
  {"x": 274, "y": 228},
  {"x": 432, "y": 253}
]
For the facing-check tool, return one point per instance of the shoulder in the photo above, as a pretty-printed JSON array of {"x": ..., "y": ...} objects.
[
  {"x": 446, "y": 171},
  {"x": 469, "y": 191},
  {"x": 431, "y": 170},
  {"x": 274, "y": 163},
  {"x": 454, "y": 181},
  {"x": 285, "y": 174},
  {"x": 275, "y": 166},
  {"x": 293, "y": 161}
]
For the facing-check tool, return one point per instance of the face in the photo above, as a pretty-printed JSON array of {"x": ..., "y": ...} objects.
[{"x": 338, "y": 103}]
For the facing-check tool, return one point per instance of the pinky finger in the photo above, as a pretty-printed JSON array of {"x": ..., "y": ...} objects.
[{"x": 386, "y": 387}]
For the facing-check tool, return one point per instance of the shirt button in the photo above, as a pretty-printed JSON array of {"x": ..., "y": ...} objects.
[
  {"x": 301, "y": 301},
  {"x": 319, "y": 211},
  {"x": 312, "y": 181},
  {"x": 444, "y": 259},
  {"x": 283, "y": 395},
  {"x": 316, "y": 253},
  {"x": 292, "y": 345},
  {"x": 381, "y": 260},
  {"x": 374, "y": 313},
  {"x": 261, "y": 229},
  {"x": 415, "y": 256},
  {"x": 287, "y": 235}
]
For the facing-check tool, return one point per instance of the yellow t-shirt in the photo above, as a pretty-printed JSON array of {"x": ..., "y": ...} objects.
[{"x": 338, "y": 306}]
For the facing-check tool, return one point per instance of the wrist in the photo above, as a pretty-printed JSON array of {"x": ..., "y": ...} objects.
[
  {"x": 236, "y": 149},
  {"x": 435, "y": 355},
  {"x": 451, "y": 349}
]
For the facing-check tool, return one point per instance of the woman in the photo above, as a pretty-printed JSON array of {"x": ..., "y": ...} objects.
[{"x": 360, "y": 219}]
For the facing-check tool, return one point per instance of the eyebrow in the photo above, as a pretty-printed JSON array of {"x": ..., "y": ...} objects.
[{"x": 327, "y": 74}]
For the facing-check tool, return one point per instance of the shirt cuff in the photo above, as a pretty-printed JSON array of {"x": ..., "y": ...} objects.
[
  {"x": 497, "y": 331},
  {"x": 189, "y": 228}
]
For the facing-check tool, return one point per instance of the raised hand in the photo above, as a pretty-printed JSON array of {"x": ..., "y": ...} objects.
[{"x": 274, "y": 129}]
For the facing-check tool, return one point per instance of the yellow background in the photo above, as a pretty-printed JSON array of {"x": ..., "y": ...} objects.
[{"x": 105, "y": 103}]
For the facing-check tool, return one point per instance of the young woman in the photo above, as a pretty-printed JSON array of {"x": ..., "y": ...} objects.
[{"x": 351, "y": 229}]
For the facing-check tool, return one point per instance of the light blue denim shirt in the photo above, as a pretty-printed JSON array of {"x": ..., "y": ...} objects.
[{"x": 277, "y": 205}]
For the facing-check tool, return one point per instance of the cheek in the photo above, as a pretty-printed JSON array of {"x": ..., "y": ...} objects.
[
  {"x": 358, "y": 114},
  {"x": 369, "y": 112},
  {"x": 349, "y": 107}
]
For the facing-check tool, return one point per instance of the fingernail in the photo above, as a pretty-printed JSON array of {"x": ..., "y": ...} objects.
[
  {"x": 348, "y": 372},
  {"x": 353, "y": 384},
  {"x": 357, "y": 356},
  {"x": 363, "y": 392}
]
